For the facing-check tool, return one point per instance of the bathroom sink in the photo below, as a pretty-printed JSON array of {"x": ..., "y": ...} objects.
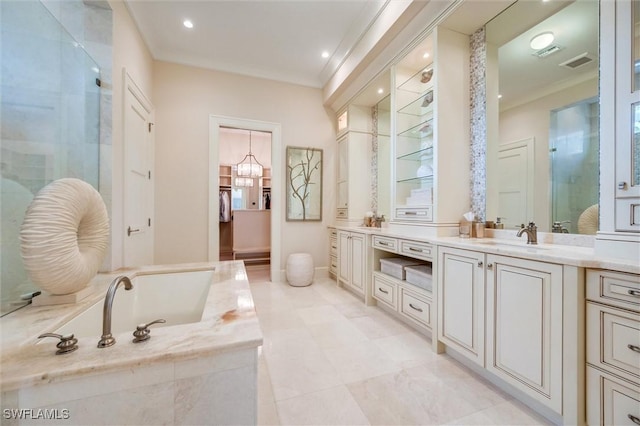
[{"x": 513, "y": 244}]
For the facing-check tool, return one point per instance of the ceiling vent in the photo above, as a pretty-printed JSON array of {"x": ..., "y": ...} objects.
[
  {"x": 578, "y": 61},
  {"x": 543, "y": 53}
]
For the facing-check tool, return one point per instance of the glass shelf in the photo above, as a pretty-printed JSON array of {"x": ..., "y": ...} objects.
[
  {"x": 415, "y": 83},
  {"x": 421, "y": 106},
  {"x": 418, "y": 131},
  {"x": 418, "y": 179},
  {"x": 418, "y": 155}
]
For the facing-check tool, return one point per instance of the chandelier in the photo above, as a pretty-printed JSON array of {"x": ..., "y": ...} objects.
[{"x": 249, "y": 166}]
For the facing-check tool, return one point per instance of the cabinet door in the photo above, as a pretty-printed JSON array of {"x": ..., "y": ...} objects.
[
  {"x": 524, "y": 326},
  {"x": 357, "y": 261},
  {"x": 344, "y": 261},
  {"x": 343, "y": 164},
  {"x": 461, "y": 302}
]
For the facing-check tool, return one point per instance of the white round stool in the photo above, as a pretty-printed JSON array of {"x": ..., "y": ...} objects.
[{"x": 299, "y": 269}]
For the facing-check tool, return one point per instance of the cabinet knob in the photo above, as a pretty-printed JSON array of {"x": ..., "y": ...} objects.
[
  {"x": 622, "y": 185},
  {"x": 489, "y": 265},
  {"x": 480, "y": 263}
]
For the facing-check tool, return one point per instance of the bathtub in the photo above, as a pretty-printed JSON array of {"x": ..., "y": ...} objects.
[
  {"x": 178, "y": 298},
  {"x": 200, "y": 367}
]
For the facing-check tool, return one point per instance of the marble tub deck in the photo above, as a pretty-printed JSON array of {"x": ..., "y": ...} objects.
[{"x": 229, "y": 323}]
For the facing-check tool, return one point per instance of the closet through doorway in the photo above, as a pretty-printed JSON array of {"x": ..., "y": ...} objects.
[{"x": 244, "y": 165}]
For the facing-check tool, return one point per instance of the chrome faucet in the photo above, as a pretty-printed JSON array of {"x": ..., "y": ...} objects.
[
  {"x": 532, "y": 233},
  {"x": 107, "y": 339}
]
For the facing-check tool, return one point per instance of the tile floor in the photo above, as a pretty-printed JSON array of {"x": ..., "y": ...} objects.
[{"x": 328, "y": 359}]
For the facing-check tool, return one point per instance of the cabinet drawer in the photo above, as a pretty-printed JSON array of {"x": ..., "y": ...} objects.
[
  {"x": 385, "y": 291},
  {"x": 417, "y": 250},
  {"x": 615, "y": 288},
  {"x": 611, "y": 401},
  {"x": 333, "y": 264},
  {"x": 385, "y": 243},
  {"x": 613, "y": 340},
  {"x": 342, "y": 213},
  {"x": 333, "y": 233},
  {"x": 333, "y": 246},
  {"x": 424, "y": 214},
  {"x": 415, "y": 308}
]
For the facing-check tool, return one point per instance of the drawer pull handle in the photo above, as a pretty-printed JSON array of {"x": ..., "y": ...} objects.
[
  {"x": 634, "y": 348},
  {"x": 410, "y": 213},
  {"x": 634, "y": 293},
  {"x": 634, "y": 419},
  {"x": 413, "y": 307},
  {"x": 383, "y": 291},
  {"x": 415, "y": 249},
  {"x": 382, "y": 243}
]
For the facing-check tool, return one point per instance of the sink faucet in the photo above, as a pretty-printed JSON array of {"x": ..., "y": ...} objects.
[
  {"x": 107, "y": 339},
  {"x": 532, "y": 233}
]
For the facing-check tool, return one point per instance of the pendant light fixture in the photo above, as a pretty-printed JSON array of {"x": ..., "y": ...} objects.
[{"x": 249, "y": 166}]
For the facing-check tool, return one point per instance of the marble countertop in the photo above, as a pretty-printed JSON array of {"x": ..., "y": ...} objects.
[
  {"x": 229, "y": 322},
  {"x": 508, "y": 244}
]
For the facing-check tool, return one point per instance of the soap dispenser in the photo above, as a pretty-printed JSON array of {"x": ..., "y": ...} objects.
[{"x": 499, "y": 224}]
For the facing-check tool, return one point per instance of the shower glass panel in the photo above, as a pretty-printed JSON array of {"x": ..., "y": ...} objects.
[
  {"x": 574, "y": 149},
  {"x": 49, "y": 121}
]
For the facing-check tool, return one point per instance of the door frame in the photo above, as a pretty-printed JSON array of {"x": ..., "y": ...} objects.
[
  {"x": 529, "y": 145},
  {"x": 132, "y": 89},
  {"x": 215, "y": 123}
]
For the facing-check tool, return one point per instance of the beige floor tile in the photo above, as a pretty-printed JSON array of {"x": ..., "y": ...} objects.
[
  {"x": 276, "y": 321},
  {"x": 506, "y": 413},
  {"x": 333, "y": 406},
  {"x": 379, "y": 324},
  {"x": 409, "y": 349},
  {"x": 319, "y": 315},
  {"x": 409, "y": 398},
  {"x": 360, "y": 360},
  {"x": 290, "y": 343},
  {"x": 336, "y": 334},
  {"x": 292, "y": 377}
]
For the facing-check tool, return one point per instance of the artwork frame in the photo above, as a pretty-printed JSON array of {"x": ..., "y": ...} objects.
[{"x": 304, "y": 184}]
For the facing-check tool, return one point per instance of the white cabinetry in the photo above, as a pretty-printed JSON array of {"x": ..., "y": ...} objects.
[
  {"x": 524, "y": 326},
  {"x": 352, "y": 260},
  {"x": 461, "y": 289},
  {"x": 619, "y": 227},
  {"x": 354, "y": 165},
  {"x": 431, "y": 131},
  {"x": 333, "y": 252},
  {"x": 411, "y": 303},
  {"x": 516, "y": 334},
  {"x": 613, "y": 348}
]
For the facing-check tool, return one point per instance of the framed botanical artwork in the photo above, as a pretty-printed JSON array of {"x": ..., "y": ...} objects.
[{"x": 304, "y": 184}]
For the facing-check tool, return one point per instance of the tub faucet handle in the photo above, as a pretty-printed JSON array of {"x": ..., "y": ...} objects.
[
  {"x": 142, "y": 332},
  {"x": 68, "y": 343}
]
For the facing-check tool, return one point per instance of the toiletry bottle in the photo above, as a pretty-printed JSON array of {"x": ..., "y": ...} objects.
[{"x": 499, "y": 224}]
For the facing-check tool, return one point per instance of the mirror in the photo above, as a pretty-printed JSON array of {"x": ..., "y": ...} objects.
[{"x": 543, "y": 115}]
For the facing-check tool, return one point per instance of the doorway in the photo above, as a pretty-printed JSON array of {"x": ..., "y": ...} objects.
[{"x": 218, "y": 127}]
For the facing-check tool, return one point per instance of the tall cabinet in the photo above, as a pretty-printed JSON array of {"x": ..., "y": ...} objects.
[
  {"x": 354, "y": 165},
  {"x": 431, "y": 133},
  {"x": 619, "y": 228}
]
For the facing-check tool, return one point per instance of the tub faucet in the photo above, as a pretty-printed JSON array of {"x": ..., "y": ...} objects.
[
  {"x": 107, "y": 339},
  {"x": 531, "y": 231}
]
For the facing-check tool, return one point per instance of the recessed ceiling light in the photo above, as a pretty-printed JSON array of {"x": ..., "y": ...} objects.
[
  {"x": 325, "y": 54},
  {"x": 499, "y": 96},
  {"x": 380, "y": 91},
  {"x": 187, "y": 23},
  {"x": 426, "y": 55},
  {"x": 542, "y": 40}
]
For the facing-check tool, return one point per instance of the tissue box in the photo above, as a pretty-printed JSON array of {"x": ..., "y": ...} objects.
[{"x": 473, "y": 229}]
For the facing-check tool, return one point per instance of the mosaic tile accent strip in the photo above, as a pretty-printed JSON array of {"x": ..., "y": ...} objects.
[
  {"x": 478, "y": 179},
  {"x": 374, "y": 160}
]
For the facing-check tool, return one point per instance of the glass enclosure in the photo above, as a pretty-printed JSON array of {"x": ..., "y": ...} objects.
[
  {"x": 574, "y": 148},
  {"x": 49, "y": 120}
]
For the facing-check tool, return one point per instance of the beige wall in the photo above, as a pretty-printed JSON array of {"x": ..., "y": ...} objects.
[
  {"x": 533, "y": 120},
  {"x": 130, "y": 52},
  {"x": 184, "y": 97}
]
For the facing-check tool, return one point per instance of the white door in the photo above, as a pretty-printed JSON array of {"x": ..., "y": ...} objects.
[
  {"x": 515, "y": 183},
  {"x": 138, "y": 179}
]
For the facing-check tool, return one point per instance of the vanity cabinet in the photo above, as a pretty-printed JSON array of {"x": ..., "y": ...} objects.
[
  {"x": 353, "y": 178},
  {"x": 431, "y": 133},
  {"x": 461, "y": 290},
  {"x": 352, "y": 260},
  {"x": 412, "y": 304},
  {"x": 613, "y": 348},
  {"x": 516, "y": 333},
  {"x": 333, "y": 252}
]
